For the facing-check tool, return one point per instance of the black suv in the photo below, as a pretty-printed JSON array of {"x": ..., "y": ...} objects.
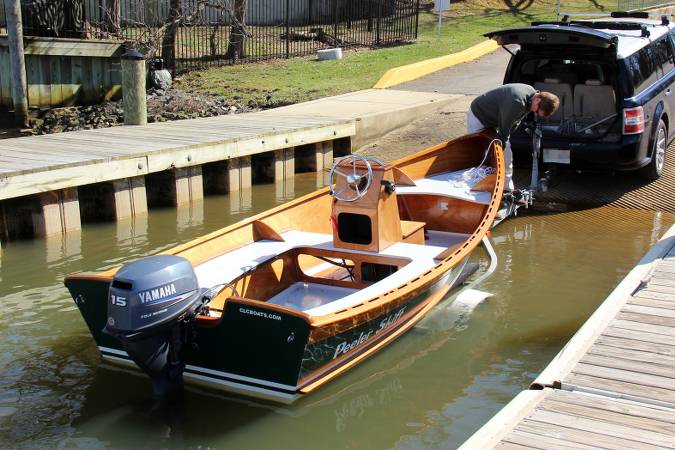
[{"x": 614, "y": 78}]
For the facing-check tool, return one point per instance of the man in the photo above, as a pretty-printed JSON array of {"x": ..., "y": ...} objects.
[{"x": 503, "y": 109}]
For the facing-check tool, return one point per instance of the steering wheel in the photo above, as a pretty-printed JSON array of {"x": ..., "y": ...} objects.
[{"x": 358, "y": 183}]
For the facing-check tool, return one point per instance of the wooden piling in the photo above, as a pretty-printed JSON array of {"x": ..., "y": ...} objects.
[
  {"x": 133, "y": 88},
  {"x": 130, "y": 197},
  {"x": 58, "y": 212},
  {"x": 284, "y": 164},
  {"x": 239, "y": 173}
]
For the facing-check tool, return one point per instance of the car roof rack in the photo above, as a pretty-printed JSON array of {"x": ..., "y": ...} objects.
[
  {"x": 595, "y": 24},
  {"x": 618, "y": 26},
  {"x": 620, "y": 15}
]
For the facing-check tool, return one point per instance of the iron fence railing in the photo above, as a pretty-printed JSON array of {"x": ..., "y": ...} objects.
[
  {"x": 636, "y": 5},
  {"x": 196, "y": 33}
]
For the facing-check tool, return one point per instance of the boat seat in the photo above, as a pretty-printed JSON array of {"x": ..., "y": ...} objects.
[
  {"x": 564, "y": 93},
  {"x": 228, "y": 267},
  {"x": 594, "y": 100},
  {"x": 412, "y": 232},
  {"x": 449, "y": 184}
]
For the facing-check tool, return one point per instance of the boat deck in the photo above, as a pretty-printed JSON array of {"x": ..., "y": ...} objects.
[
  {"x": 316, "y": 299},
  {"x": 420, "y": 258},
  {"x": 614, "y": 381}
]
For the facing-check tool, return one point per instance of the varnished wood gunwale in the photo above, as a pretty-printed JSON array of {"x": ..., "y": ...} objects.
[{"x": 350, "y": 359}]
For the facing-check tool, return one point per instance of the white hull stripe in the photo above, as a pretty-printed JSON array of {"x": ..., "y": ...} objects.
[{"x": 121, "y": 356}]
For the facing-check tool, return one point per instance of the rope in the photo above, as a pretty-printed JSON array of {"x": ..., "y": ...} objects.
[{"x": 475, "y": 174}]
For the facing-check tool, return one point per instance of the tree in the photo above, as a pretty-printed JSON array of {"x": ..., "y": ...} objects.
[
  {"x": 236, "y": 48},
  {"x": 170, "y": 28},
  {"x": 112, "y": 22}
]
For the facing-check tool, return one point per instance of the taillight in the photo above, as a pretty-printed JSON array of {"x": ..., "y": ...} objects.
[{"x": 633, "y": 120}]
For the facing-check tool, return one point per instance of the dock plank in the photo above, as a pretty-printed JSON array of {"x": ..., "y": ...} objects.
[
  {"x": 655, "y": 295},
  {"x": 635, "y": 390},
  {"x": 647, "y": 411},
  {"x": 591, "y": 437},
  {"x": 664, "y": 289},
  {"x": 600, "y": 426},
  {"x": 625, "y": 364},
  {"x": 538, "y": 441},
  {"x": 641, "y": 378},
  {"x": 632, "y": 344},
  {"x": 633, "y": 355},
  {"x": 649, "y": 311},
  {"x": 643, "y": 336},
  {"x": 647, "y": 318},
  {"x": 641, "y": 326},
  {"x": 644, "y": 301},
  {"x": 608, "y": 417}
]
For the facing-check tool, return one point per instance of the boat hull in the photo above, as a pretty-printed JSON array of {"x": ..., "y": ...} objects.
[{"x": 269, "y": 354}]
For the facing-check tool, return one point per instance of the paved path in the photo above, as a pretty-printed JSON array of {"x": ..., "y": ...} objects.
[{"x": 471, "y": 78}]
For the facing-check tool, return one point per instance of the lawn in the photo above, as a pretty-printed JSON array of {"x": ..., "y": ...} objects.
[{"x": 286, "y": 81}]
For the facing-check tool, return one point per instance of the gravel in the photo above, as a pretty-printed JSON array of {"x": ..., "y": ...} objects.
[{"x": 163, "y": 106}]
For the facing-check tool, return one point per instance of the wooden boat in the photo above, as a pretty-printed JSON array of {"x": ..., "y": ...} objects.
[{"x": 286, "y": 300}]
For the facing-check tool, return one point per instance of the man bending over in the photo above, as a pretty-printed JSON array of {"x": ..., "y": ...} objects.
[{"x": 503, "y": 108}]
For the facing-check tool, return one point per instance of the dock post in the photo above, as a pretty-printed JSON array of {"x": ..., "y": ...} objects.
[
  {"x": 239, "y": 173},
  {"x": 189, "y": 184},
  {"x": 174, "y": 187},
  {"x": 133, "y": 88},
  {"x": 58, "y": 212},
  {"x": 342, "y": 147},
  {"x": 215, "y": 177},
  {"x": 130, "y": 197},
  {"x": 324, "y": 155},
  {"x": 284, "y": 164},
  {"x": 314, "y": 157}
]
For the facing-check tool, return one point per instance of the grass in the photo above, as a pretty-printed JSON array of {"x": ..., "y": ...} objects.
[{"x": 281, "y": 82}]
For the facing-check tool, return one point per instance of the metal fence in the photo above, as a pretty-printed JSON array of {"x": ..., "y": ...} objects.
[
  {"x": 197, "y": 33},
  {"x": 633, "y": 5}
]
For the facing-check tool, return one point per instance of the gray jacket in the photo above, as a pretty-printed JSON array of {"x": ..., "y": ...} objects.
[{"x": 504, "y": 107}]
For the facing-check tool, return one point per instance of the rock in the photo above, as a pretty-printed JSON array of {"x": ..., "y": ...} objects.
[{"x": 160, "y": 79}]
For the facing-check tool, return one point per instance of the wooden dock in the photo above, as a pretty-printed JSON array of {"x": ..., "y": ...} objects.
[
  {"x": 49, "y": 184},
  {"x": 613, "y": 385}
]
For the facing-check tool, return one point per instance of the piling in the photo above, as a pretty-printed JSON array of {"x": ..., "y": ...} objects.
[{"x": 133, "y": 88}]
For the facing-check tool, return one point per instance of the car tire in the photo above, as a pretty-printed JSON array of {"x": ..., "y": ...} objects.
[{"x": 654, "y": 169}]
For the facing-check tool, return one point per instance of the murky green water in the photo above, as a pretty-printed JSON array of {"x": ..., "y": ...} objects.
[{"x": 429, "y": 390}]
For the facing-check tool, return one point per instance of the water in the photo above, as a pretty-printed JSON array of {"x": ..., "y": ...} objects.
[{"x": 431, "y": 389}]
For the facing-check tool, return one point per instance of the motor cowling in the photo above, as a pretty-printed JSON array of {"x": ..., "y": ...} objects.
[{"x": 151, "y": 305}]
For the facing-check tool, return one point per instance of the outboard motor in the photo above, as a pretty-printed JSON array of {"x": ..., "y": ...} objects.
[{"x": 151, "y": 305}]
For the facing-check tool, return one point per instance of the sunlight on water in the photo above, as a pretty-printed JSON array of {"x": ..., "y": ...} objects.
[{"x": 430, "y": 389}]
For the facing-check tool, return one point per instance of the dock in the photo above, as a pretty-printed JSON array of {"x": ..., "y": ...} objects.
[
  {"x": 50, "y": 184},
  {"x": 613, "y": 384}
]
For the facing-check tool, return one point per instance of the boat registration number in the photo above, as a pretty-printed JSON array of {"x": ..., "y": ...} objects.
[{"x": 555, "y": 155}]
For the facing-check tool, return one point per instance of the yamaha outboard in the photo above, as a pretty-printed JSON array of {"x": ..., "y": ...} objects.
[{"x": 152, "y": 303}]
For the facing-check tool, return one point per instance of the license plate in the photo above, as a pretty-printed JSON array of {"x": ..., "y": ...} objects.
[{"x": 554, "y": 155}]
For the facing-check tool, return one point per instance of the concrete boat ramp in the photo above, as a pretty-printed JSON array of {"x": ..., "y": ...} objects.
[
  {"x": 613, "y": 385},
  {"x": 50, "y": 183}
]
